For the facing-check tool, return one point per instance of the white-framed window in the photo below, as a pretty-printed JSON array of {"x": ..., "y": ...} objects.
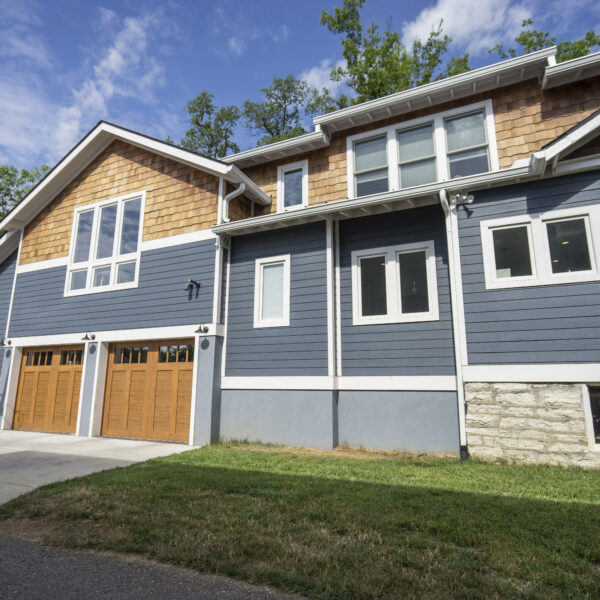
[
  {"x": 292, "y": 186},
  {"x": 272, "y": 291},
  {"x": 449, "y": 144},
  {"x": 105, "y": 246},
  {"x": 394, "y": 284},
  {"x": 591, "y": 404},
  {"x": 539, "y": 249}
]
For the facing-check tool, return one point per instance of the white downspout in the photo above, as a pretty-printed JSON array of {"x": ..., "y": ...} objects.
[
  {"x": 456, "y": 299},
  {"x": 228, "y": 198}
]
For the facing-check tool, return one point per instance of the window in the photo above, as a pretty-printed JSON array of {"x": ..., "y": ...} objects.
[
  {"x": 292, "y": 186},
  {"x": 451, "y": 144},
  {"x": 105, "y": 246},
  {"x": 394, "y": 284},
  {"x": 541, "y": 249},
  {"x": 272, "y": 292},
  {"x": 181, "y": 353},
  {"x": 594, "y": 398}
]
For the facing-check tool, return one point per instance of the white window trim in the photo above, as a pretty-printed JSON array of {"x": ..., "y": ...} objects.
[
  {"x": 439, "y": 140},
  {"x": 281, "y": 171},
  {"x": 392, "y": 277},
  {"x": 539, "y": 248},
  {"x": 284, "y": 321},
  {"x": 114, "y": 260}
]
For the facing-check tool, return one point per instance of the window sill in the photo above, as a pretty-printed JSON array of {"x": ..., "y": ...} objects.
[
  {"x": 273, "y": 324},
  {"x": 106, "y": 288},
  {"x": 539, "y": 282},
  {"x": 416, "y": 318}
]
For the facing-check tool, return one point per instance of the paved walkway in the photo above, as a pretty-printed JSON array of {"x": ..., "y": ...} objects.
[
  {"x": 30, "y": 459},
  {"x": 29, "y": 571}
]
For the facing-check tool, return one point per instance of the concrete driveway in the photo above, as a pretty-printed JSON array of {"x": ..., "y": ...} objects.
[{"x": 30, "y": 459}]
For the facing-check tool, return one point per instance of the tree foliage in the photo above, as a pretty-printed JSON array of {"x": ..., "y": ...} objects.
[
  {"x": 15, "y": 184},
  {"x": 211, "y": 128},
  {"x": 378, "y": 63},
  {"x": 531, "y": 40},
  {"x": 282, "y": 112}
]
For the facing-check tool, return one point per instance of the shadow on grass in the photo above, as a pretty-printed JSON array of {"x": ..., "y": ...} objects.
[{"x": 326, "y": 538}]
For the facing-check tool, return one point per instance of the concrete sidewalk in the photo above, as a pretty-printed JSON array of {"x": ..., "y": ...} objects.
[{"x": 30, "y": 459}]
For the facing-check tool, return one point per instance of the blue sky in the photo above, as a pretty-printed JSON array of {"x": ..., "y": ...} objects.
[{"x": 65, "y": 64}]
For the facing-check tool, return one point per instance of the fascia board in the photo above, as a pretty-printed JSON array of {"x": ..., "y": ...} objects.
[{"x": 9, "y": 242}]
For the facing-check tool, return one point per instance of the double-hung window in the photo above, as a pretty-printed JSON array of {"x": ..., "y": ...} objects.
[
  {"x": 105, "y": 246},
  {"x": 394, "y": 284},
  {"x": 292, "y": 186},
  {"x": 272, "y": 292},
  {"x": 541, "y": 249},
  {"x": 454, "y": 143}
]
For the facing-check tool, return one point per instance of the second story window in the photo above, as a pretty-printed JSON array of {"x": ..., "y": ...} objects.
[
  {"x": 451, "y": 144},
  {"x": 292, "y": 186},
  {"x": 105, "y": 246}
]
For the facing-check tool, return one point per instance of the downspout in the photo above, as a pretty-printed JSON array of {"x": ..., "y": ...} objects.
[
  {"x": 228, "y": 198},
  {"x": 457, "y": 310}
]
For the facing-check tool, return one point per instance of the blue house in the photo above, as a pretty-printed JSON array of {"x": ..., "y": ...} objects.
[{"x": 419, "y": 273}]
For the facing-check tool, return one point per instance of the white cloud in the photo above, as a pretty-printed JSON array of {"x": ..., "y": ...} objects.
[
  {"x": 475, "y": 25},
  {"x": 318, "y": 76}
]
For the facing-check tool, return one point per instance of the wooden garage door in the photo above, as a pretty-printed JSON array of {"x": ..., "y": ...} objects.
[
  {"x": 48, "y": 393},
  {"x": 149, "y": 390}
]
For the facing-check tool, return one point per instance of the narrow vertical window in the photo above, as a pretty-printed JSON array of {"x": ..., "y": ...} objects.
[
  {"x": 594, "y": 391},
  {"x": 292, "y": 186},
  {"x": 272, "y": 292},
  {"x": 414, "y": 291},
  {"x": 373, "y": 286},
  {"x": 370, "y": 166}
]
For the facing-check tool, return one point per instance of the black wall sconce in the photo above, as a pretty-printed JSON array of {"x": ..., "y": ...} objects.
[{"x": 191, "y": 284}]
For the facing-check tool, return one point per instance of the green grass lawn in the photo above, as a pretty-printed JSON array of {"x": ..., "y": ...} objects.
[{"x": 345, "y": 525}]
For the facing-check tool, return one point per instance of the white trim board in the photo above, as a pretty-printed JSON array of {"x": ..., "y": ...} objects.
[
  {"x": 376, "y": 383},
  {"x": 119, "y": 335},
  {"x": 535, "y": 373}
]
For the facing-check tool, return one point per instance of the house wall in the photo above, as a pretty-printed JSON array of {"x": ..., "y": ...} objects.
[
  {"x": 424, "y": 348},
  {"x": 557, "y": 323},
  {"x": 526, "y": 118},
  {"x": 7, "y": 274},
  {"x": 179, "y": 199},
  {"x": 161, "y": 299},
  {"x": 301, "y": 348}
]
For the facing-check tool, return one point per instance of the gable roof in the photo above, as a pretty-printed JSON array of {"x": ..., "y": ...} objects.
[{"x": 97, "y": 140}]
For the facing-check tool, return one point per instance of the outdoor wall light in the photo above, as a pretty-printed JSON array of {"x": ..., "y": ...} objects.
[
  {"x": 191, "y": 284},
  {"x": 202, "y": 328},
  {"x": 461, "y": 198},
  {"x": 88, "y": 337},
  {"x": 6, "y": 342}
]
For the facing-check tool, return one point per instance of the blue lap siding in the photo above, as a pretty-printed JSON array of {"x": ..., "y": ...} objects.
[
  {"x": 424, "y": 348},
  {"x": 301, "y": 348},
  {"x": 7, "y": 274},
  {"x": 160, "y": 300},
  {"x": 537, "y": 324}
]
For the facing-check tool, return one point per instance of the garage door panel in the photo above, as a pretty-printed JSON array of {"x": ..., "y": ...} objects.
[
  {"x": 48, "y": 392},
  {"x": 157, "y": 395}
]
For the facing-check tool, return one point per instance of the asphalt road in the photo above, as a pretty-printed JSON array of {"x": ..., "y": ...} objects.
[{"x": 30, "y": 571}]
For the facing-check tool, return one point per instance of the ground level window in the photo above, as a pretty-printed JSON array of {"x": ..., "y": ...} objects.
[
  {"x": 594, "y": 391},
  {"x": 394, "y": 284}
]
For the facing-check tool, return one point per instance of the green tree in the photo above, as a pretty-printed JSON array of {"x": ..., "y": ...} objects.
[
  {"x": 15, "y": 184},
  {"x": 531, "y": 40},
  {"x": 282, "y": 113},
  {"x": 211, "y": 128},
  {"x": 378, "y": 63}
]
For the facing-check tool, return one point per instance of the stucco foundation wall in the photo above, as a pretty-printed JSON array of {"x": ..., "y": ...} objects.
[
  {"x": 289, "y": 417},
  {"x": 410, "y": 421},
  {"x": 524, "y": 422}
]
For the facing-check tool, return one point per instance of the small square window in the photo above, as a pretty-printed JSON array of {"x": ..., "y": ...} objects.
[
  {"x": 568, "y": 244},
  {"x": 512, "y": 254}
]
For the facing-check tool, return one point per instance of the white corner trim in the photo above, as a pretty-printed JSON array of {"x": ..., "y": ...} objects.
[
  {"x": 331, "y": 328},
  {"x": 178, "y": 240},
  {"x": 534, "y": 373},
  {"x": 260, "y": 263},
  {"x": 338, "y": 302},
  {"x": 281, "y": 171}
]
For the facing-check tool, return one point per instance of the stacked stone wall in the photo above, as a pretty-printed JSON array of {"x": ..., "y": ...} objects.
[{"x": 534, "y": 423}]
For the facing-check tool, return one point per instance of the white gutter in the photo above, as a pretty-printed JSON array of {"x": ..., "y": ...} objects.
[
  {"x": 469, "y": 77},
  {"x": 576, "y": 66},
  {"x": 473, "y": 182},
  {"x": 228, "y": 198},
  {"x": 458, "y": 314}
]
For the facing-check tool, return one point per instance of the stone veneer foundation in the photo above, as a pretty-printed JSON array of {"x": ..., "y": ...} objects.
[{"x": 529, "y": 422}]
